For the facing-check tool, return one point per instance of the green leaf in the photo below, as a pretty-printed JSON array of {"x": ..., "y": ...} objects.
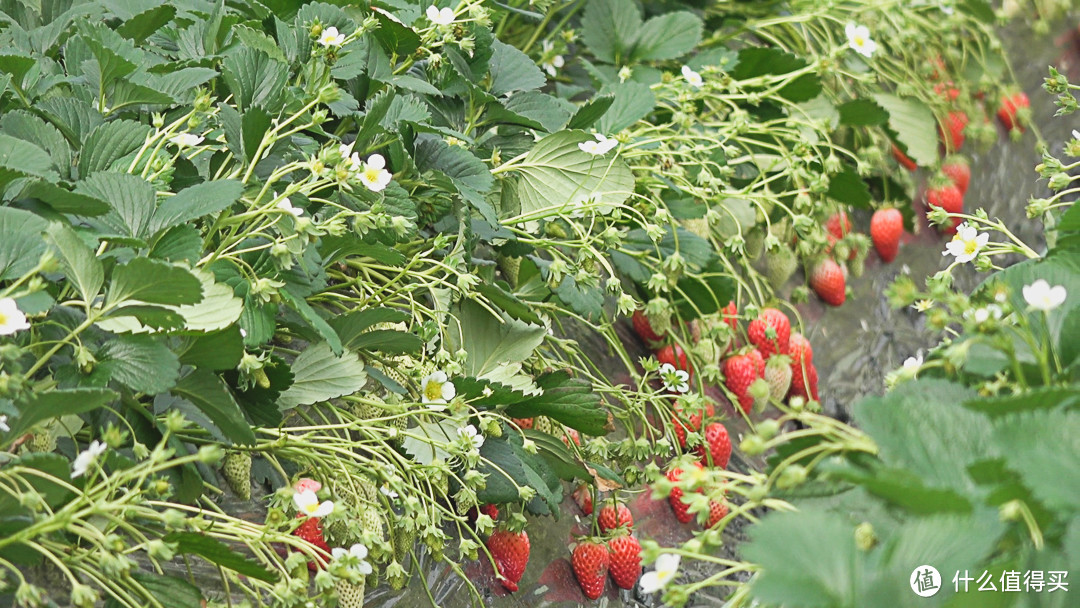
[
  {"x": 16, "y": 64},
  {"x": 592, "y": 110},
  {"x": 20, "y": 158},
  {"x": 65, "y": 201},
  {"x": 75, "y": 118},
  {"x": 609, "y": 29},
  {"x": 217, "y": 351},
  {"x": 558, "y": 457},
  {"x": 496, "y": 345},
  {"x": 570, "y": 401},
  {"x": 20, "y": 242},
  {"x": 32, "y": 129},
  {"x": 319, "y": 375},
  {"x": 110, "y": 142},
  {"x": 667, "y": 36},
  {"x": 195, "y": 202},
  {"x": 352, "y": 325},
  {"x": 761, "y": 61},
  {"x": 508, "y": 466},
  {"x": 80, "y": 263},
  {"x": 850, "y": 189},
  {"x": 139, "y": 27},
  {"x": 179, "y": 244},
  {"x": 631, "y": 101},
  {"x": 211, "y": 396},
  {"x": 218, "y": 309},
  {"x": 153, "y": 282},
  {"x": 39, "y": 406},
  {"x": 806, "y": 559},
  {"x": 902, "y": 488},
  {"x": 508, "y": 302},
  {"x": 1043, "y": 448},
  {"x": 259, "y": 41},
  {"x": 980, "y": 9},
  {"x": 862, "y": 113},
  {"x": 313, "y": 319},
  {"x": 141, "y": 363},
  {"x": 585, "y": 300},
  {"x": 388, "y": 341},
  {"x": 557, "y": 175},
  {"x": 132, "y": 198},
  {"x": 217, "y": 552},
  {"x": 469, "y": 175},
  {"x": 914, "y": 126},
  {"x": 922, "y": 426},
  {"x": 254, "y": 78},
  {"x": 1039, "y": 398},
  {"x": 426, "y": 441},
  {"x": 512, "y": 70},
  {"x": 169, "y": 591},
  {"x": 531, "y": 109}
]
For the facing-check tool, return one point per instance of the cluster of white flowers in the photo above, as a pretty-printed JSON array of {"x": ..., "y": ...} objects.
[
  {"x": 355, "y": 558},
  {"x": 555, "y": 63},
  {"x": 86, "y": 458},
  {"x": 371, "y": 172}
]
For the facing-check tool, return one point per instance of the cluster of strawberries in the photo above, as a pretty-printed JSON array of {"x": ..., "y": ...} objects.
[
  {"x": 950, "y": 182},
  {"x": 593, "y": 559}
]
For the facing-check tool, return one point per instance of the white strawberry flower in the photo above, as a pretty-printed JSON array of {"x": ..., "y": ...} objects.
[
  {"x": 692, "y": 78},
  {"x": 443, "y": 16},
  {"x": 1041, "y": 296},
  {"x": 309, "y": 505},
  {"x": 12, "y": 319},
  {"x": 331, "y": 38},
  {"x": 472, "y": 436},
  {"x": 675, "y": 380},
  {"x": 437, "y": 389},
  {"x": 966, "y": 243},
  {"x": 286, "y": 205},
  {"x": 374, "y": 174},
  {"x": 555, "y": 62},
  {"x": 859, "y": 39},
  {"x": 186, "y": 140},
  {"x": 4, "y": 425},
  {"x": 601, "y": 146},
  {"x": 86, "y": 458},
  {"x": 667, "y": 568},
  {"x": 355, "y": 557}
]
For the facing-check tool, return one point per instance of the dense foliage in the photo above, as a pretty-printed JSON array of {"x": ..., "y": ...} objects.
[{"x": 352, "y": 255}]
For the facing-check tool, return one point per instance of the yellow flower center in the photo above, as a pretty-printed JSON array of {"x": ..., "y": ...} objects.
[
  {"x": 970, "y": 247},
  {"x": 433, "y": 390},
  {"x": 371, "y": 174},
  {"x": 3, "y": 319},
  {"x": 313, "y": 507},
  {"x": 860, "y": 41}
]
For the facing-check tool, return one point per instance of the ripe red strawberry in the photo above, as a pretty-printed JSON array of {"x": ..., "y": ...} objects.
[
  {"x": 680, "y": 508},
  {"x": 838, "y": 225},
  {"x": 674, "y": 355},
  {"x": 511, "y": 553},
  {"x": 770, "y": 332},
  {"x": 583, "y": 497},
  {"x": 947, "y": 91},
  {"x": 903, "y": 159},
  {"x": 1010, "y": 107},
  {"x": 953, "y": 133},
  {"x": 643, "y": 329},
  {"x": 523, "y": 423},
  {"x": 590, "y": 561},
  {"x": 949, "y": 198},
  {"x": 571, "y": 435},
  {"x": 691, "y": 424},
  {"x": 958, "y": 170},
  {"x": 828, "y": 282},
  {"x": 719, "y": 446},
  {"x": 718, "y": 510},
  {"x": 778, "y": 375},
  {"x": 804, "y": 382},
  {"x": 490, "y": 510},
  {"x": 740, "y": 371},
  {"x": 886, "y": 227},
  {"x": 613, "y": 516},
  {"x": 311, "y": 531},
  {"x": 800, "y": 351},
  {"x": 731, "y": 317},
  {"x": 625, "y": 558}
]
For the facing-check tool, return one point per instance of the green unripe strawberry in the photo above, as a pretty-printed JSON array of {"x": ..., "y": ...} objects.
[
  {"x": 780, "y": 265},
  {"x": 237, "y": 471},
  {"x": 350, "y": 595}
]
